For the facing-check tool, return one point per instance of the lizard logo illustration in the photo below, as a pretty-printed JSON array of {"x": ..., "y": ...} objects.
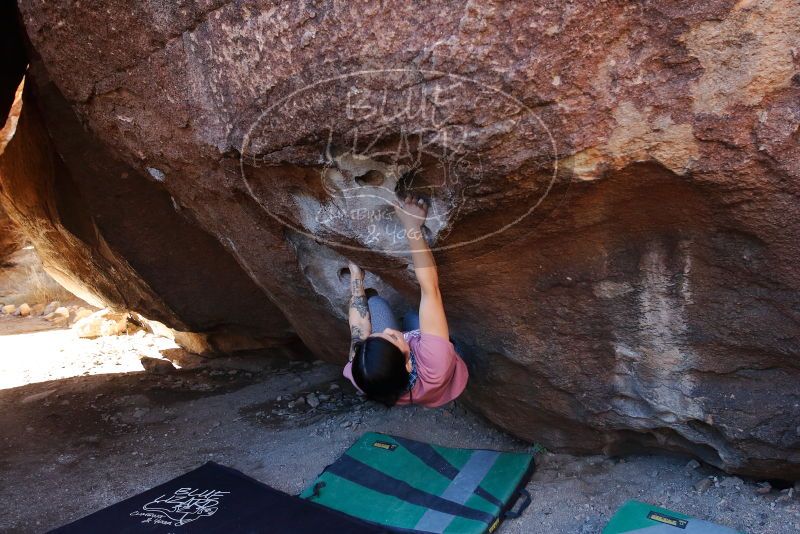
[
  {"x": 330, "y": 158},
  {"x": 183, "y": 506}
]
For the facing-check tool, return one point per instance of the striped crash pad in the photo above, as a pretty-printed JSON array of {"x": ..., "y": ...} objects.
[
  {"x": 639, "y": 517},
  {"x": 409, "y": 486}
]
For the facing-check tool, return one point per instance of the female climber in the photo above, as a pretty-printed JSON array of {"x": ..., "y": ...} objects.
[{"x": 418, "y": 364}]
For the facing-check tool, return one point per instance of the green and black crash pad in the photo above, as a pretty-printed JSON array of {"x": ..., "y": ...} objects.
[
  {"x": 409, "y": 486},
  {"x": 640, "y": 517}
]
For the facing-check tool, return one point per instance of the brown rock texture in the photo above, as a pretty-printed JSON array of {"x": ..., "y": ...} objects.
[
  {"x": 12, "y": 67},
  {"x": 613, "y": 188},
  {"x": 9, "y": 242}
]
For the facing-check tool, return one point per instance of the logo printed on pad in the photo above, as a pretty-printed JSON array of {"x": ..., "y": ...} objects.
[
  {"x": 181, "y": 507},
  {"x": 667, "y": 520},
  {"x": 385, "y": 445}
]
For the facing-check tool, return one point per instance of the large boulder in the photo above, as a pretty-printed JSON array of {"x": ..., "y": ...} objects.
[
  {"x": 12, "y": 67},
  {"x": 9, "y": 237},
  {"x": 613, "y": 192}
]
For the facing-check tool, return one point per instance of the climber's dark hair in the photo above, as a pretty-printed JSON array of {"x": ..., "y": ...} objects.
[{"x": 379, "y": 370}]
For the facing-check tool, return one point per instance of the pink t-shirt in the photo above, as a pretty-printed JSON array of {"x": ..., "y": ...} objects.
[{"x": 441, "y": 373}]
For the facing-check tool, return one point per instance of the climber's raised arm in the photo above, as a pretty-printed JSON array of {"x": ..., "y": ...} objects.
[
  {"x": 418, "y": 364},
  {"x": 412, "y": 212},
  {"x": 358, "y": 316}
]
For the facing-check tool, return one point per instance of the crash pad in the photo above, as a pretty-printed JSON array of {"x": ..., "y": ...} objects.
[
  {"x": 411, "y": 486},
  {"x": 639, "y": 517},
  {"x": 214, "y": 499}
]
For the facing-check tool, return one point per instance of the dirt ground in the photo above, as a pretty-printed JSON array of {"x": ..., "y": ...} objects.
[{"x": 82, "y": 427}]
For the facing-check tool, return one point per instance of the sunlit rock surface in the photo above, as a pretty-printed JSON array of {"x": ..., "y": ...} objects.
[{"x": 613, "y": 189}]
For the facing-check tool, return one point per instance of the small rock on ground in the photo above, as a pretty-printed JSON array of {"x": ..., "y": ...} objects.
[
  {"x": 702, "y": 485},
  {"x": 156, "y": 365}
]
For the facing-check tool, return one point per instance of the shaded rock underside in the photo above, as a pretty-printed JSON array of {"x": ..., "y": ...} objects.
[{"x": 189, "y": 162}]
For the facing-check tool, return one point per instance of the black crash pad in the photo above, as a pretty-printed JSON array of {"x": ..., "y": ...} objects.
[{"x": 216, "y": 499}]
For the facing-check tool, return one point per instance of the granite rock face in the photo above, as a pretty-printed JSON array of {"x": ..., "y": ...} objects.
[{"x": 613, "y": 189}]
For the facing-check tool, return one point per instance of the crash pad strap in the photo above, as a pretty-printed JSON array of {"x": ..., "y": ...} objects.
[
  {"x": 459, "y": 490},
  {"x": 362, "y": 474},
  {"x": 440, "y": 464}
]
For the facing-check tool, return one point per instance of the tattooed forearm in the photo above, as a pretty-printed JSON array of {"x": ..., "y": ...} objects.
[
  {"x": 359, "y": 304},
  {"x": 359, "y": 330},
  {"x": 356, "y": 334},
  {"x": 358, "y": 314},
  {"x": 357, "y": 286}
]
